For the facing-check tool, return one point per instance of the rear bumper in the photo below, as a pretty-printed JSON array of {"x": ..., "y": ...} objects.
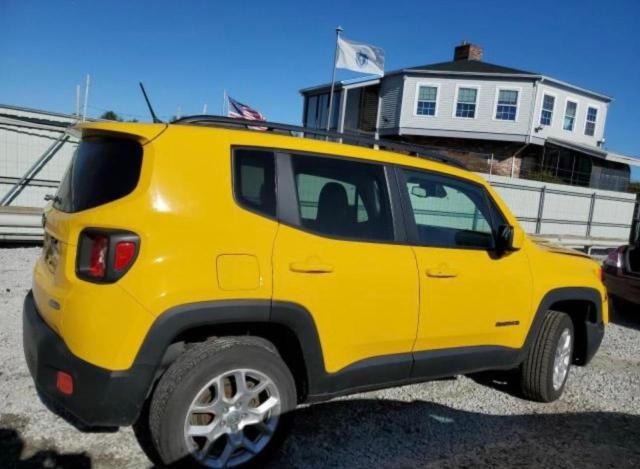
[{"x": 100, "y": 398}]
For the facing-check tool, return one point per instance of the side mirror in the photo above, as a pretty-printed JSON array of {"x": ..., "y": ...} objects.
[
  {"x": 419, "y": 192},
  {"x": 518, "y": 238},
  {"x": 509, "y": 238}
]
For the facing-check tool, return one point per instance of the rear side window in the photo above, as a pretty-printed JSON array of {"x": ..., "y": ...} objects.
[
  {"x": 254, "y": 180},
  {"x": 342, "y": 198},
  {"x": 102, "y": 170}
]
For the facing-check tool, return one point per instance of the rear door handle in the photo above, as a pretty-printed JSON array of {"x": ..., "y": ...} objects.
[
  {"x": 311, "y": 266},
  {"x": 441, "y": 272}
]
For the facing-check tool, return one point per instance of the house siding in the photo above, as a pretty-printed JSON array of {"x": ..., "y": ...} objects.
[
  {"x": 555, "y": 130},
  {"x": 391, "y": 94},
  {"x": 484, "y": 124}
]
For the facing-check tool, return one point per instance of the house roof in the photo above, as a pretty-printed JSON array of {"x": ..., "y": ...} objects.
[
  {"x": 470, "y": 66},
  {"x": 589, "y": 150},
  {"x": 619, "y": 158},
  {"x": 359, "y": 82}
]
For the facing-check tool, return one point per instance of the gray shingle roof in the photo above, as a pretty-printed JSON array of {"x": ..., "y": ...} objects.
[{"x": 470, "y": 66}]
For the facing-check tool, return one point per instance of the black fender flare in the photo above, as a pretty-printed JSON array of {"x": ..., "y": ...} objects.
[
  {"x": 594, "y": 325},
  {"x": 180, "y": 319}
]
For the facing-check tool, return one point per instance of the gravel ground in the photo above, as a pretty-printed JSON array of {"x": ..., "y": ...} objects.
[{"x": 463, "y": 422}]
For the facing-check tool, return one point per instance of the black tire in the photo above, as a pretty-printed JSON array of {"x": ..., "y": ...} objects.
[
  {"x": 187, "y": 376},
  {"x": 537, "y": 369}
]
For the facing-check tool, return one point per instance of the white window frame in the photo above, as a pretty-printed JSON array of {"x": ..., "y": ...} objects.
[
  {"x": 586, "y": 121},
  {"x": 495, "y": 102},
  {"x": 553, "y": 111},
  {"x": 455, "y": 101},
  {"x": 575, "y": 117},
  {"x": 417, "y": 95}
]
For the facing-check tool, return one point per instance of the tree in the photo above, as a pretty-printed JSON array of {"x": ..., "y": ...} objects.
[{"x": 110, "y": 116}]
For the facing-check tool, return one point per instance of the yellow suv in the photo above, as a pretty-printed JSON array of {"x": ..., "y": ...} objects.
[{"x": 200, "y": 279}]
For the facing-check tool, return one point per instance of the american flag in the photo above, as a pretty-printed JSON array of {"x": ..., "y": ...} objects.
[{"x": 238, "y": 110}]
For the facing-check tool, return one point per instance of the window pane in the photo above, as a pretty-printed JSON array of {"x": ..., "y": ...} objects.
[
  {"x": 545, "y": 117},
  {"x": 465, "y": 110},
  {"x": 508, "y": 97},
  {"x": 590, "y": 126},
  {"x": 449, "y": 212},
  {"x": 426, "y": 108},
  {"x": 549, "y": 102},
  {"x": 427, "y": 93},
  {"x": 590, "y": 129},
  {"x": 342, "y": 198},
  {"x": 570, "y": 115},
  {"x": 568, "y": 123},
  {"x": 254, "y": 180},
  {"x": 467, "y": 95},
  {"x": 506, "y": 113},
  {"x": 311, "y": 119}
]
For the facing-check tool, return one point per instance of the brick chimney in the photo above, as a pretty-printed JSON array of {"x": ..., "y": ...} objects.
[{"x": 466, "y": 51}]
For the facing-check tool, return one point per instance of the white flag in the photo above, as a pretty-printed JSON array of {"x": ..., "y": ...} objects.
[{"x": 360, "y": 57}]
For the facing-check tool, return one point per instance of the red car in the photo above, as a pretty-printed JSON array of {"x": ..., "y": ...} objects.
[{"x": 621, "y": 275}]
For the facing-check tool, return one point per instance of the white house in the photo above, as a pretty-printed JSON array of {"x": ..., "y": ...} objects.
[{"x": 494, "y": 118}]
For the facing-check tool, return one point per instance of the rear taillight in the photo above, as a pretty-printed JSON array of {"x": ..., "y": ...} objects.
[
  {"x": 124, "y": 254},
  {"x": 614, "y": 259},
  {"x": 98, "y": 257},
  {"x": 104, "y": 256}
]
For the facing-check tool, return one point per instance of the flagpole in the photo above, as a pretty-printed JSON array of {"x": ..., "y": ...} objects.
[
  {"x": 333, "y": 77},
  {"x": 224, "y": 102}
]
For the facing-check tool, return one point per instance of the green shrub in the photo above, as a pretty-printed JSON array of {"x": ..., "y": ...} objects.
[{"x": 543, "y": 176}]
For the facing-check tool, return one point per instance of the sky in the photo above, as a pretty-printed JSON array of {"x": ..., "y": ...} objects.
[{"x": 263, "y": 52}]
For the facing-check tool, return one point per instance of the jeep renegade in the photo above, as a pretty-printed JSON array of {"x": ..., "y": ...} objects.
[{"x": 198, "y": 281}]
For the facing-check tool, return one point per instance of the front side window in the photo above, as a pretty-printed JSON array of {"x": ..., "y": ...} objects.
[
  {"x": 427, "y": 99},
  {"x": 342, "y": 198},
  {"x": 449, "y": 212},
  {"x": 570, "y": 115},
  {"x": 466, "y": 104},
  {"x": 254, "y": 180},
  {"x": 507, "y": 106},
  {"x": 546, "y": 115},
  {"x": 590, "y": 125}
]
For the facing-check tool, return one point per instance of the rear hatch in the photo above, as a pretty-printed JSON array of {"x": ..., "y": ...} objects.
[{"x": 105, "y": 170}]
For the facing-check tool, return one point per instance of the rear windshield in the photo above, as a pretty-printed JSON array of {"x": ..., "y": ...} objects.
[{"x": 102, "y": 170}]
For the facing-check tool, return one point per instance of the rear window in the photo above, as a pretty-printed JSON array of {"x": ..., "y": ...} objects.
[
  {"x": 102, "y": 170},
  {"x": 254, "y": 180}
]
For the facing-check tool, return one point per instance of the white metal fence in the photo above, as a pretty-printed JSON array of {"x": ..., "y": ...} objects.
[
  {"x": 568, "y": 213},
  {"x": 577, "y": 216}
]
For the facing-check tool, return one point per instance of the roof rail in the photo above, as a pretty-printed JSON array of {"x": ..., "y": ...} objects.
[{"x": 351, "y": 138}]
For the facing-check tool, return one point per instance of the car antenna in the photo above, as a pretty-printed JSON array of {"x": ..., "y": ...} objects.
[{"x": 146, "y": 98}]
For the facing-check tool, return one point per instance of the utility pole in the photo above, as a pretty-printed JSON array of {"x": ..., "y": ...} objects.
[
  {"x": 86, "y": 97},
  {"x": 224, "y": 102},
  {"x": 77, "y": 101},
  {"x": 204, "y": 108}
]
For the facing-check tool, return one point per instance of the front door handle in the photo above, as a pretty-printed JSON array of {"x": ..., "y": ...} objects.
[
  {"x": 311, "y": 266},
  {"x": 441, "y": 272}
]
